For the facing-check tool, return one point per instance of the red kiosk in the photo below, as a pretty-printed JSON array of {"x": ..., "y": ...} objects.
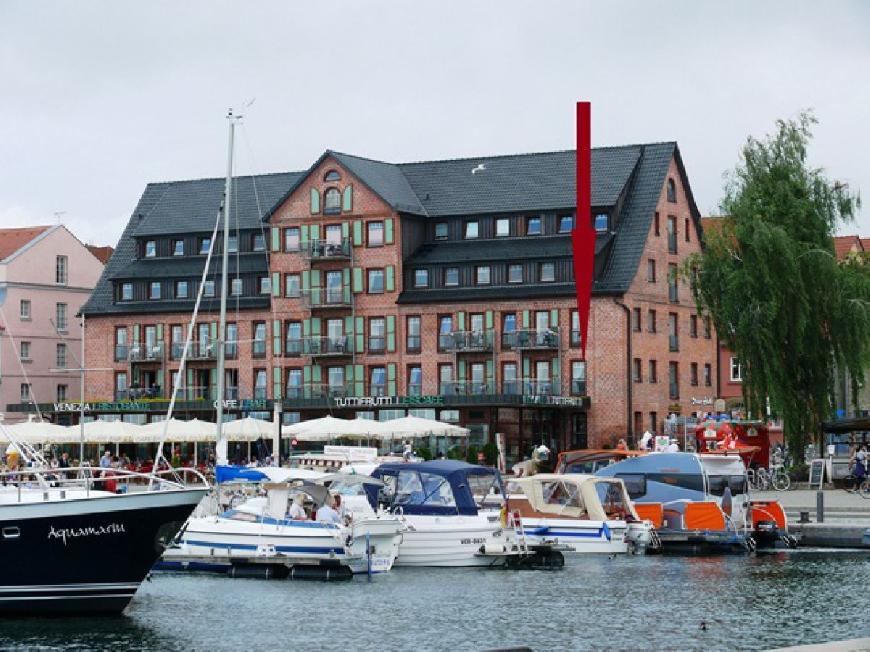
[{"x": 749, "y": 438}]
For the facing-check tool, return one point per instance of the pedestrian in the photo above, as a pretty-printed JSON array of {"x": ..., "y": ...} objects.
[{"x": 621, "y": 445}]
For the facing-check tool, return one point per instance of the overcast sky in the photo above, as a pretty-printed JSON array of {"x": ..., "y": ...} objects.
[{"x": 99, "y": 98}]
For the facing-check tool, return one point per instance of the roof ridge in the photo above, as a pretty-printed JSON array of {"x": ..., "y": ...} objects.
[
  {"x": 235, "y": 177},
  {"x": 538, "y": 153}
]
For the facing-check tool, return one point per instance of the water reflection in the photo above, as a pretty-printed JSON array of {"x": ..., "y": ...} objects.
[{"x": 753, "y": 602}]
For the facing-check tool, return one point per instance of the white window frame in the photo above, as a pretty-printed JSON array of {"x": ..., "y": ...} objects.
[{"x": 734, "y": 365}]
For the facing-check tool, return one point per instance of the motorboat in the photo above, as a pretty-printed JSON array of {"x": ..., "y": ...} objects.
[
  {"x": 700, "y": 503},
  {"x": 587, "y": 513},
  {"x": 254, "y": 531},
  {"x": 71, "y": 546},
  {"x": 453, "y": 514}
]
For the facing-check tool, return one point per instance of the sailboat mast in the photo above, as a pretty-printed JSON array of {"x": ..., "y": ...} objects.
[{"x": 222, "y": 323}]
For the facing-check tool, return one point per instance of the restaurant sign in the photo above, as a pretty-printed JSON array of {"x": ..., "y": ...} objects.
[{"x": 386, "y": 401}]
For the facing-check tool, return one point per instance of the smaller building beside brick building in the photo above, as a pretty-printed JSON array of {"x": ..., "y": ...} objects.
[
  {"x": 48, "y": 274},
  {"x": 441, "y": 288}
]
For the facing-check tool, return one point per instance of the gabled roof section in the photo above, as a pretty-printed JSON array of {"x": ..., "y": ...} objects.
[
  {"x": 192, "y": 206},
  {"x": 518, "y": 182},
  {"x": 844, "y": 245},
  {"x": 14, "y": 239},
  {"x": 384, "y": 179},
  {"x": 101, "y": 253}
]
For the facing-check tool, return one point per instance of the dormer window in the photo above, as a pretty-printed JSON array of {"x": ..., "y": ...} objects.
[
  {"x": 502, "y": 227},
  {"x": 208, "y": 289},
  {"x": 178, "y": 248},
  {"x": 236, "y": 289},
  {"x": 441, "y": 231},
  {"x": 150, "y": 249},
  {"x": 602, "y": 222},
  {"x": 471, "y": 230},
  {"x": 204, "y": 245},
  {"x": 533, "y": 226},
  {"x": 566, "y": 223},
  {"x": 332, "y": 175},
  {"x": 672, "y": 191},
  {"x": 154, "y": 290},
  {"x": 332, "y": 201},
  {"x": 126, "y": 292},
  {"x": 259, "y": 242},
  {"x": 232, "y": 244},
  {"x": 181, "y": 290}
]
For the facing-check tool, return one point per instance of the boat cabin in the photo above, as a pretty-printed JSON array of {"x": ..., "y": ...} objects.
[
  {"x": 439, "y": 487},
  {"x": 574, "y": 496}
]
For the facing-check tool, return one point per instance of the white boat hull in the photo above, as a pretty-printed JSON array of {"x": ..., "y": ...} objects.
[
  {"x": 450, "y": 540},
  {"x": 580, "y": 536},
  {"x": 221, "y": 540}
]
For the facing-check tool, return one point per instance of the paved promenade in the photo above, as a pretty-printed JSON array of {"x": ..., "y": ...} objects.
[{"x": 840, "y": 505}]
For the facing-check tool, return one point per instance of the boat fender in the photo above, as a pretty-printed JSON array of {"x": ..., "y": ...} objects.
[{"x": 493, "y": 549}]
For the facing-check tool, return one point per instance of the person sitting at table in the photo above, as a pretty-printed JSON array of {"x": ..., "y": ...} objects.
[{"x": 297, "y": 509}]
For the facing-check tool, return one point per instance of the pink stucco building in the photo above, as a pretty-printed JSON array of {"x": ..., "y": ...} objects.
[{"x": 48, "y": 274}]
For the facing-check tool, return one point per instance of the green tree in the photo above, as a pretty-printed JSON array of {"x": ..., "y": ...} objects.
[{"x": 772, "y": 284}]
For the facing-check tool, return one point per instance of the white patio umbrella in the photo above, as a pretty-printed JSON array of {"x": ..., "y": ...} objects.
[
  {"x": 329, "y": 427},
  {"x": 248, "y": 429},
  {"x": 414, "y": 427},
  {"x": 178, "y": 430},
  {"x": 36, "y": 432},
  {"x": 100, "y": 432}
]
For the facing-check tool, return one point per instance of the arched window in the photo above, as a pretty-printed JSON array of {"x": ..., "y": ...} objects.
[
  {"x": 672, "y": 191},
  {"x": 332, "y": 175},
  {"x": 332, "y": 201}
]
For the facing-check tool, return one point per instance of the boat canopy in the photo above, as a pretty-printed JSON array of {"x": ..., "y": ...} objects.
[
  {"x": 231, "y": 473},
  {"x": 661, "y": 477},
  {"x": 436, "y": 487},
  {"x": 575, "y": 495}
]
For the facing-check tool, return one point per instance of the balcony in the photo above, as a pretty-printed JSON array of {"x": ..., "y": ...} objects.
[
  {"x": 578, "y": 387},
  {"x": 467, "y": 341},
  {"x": 202, "y": 350},
  {"x": 146, "y": 352},
  {"x": 327, "y": 346},
  {"x": 539, "y": 339},
  {"x": 540, "y": 388},
  {"x": 466, "y": 388},
  {"x": 323, "y": 250},
  {"x": 137, "y": 393},
  {"x": 325, "y": 390},
  {"x": 293, "y": 346},
  {"x": 326, "y": 298}
]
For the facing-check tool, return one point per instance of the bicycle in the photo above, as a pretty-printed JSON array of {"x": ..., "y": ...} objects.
[{"x": 766, "y": 479}]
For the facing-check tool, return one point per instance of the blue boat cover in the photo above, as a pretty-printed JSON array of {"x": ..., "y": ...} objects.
[
  {"x": 663, "y": 477},
  {"x": 226, "y": 473},
  {"x": 453, "y": 471}
]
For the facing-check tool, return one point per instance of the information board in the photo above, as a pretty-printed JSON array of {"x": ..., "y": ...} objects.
[{"x": 817, "y": 473}]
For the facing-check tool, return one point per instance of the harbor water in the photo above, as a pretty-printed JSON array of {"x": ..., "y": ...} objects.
[{"x": 754, "y": 602}]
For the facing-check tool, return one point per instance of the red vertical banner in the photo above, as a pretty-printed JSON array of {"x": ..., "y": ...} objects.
[{"x": 583, "y": 235}]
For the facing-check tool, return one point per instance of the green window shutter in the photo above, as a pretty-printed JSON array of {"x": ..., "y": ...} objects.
[
  {"x": 135, "y": 333},
  {"x": 488, "y": 319},
  {"x": 490, "y": 373},
  {"x": 348, "y": 326},
  {"x": 276, "y": 383},
  {"x": 212, "y": 381},
  {"x": 276, "y": 239},
  {"x": 276, "y": 337},
  {"x": 391, "y": 278},
  {"x": 212, "y": 330},
  {"x": 554, "y": 318},
  {"x": 315, "y": 232},
  {"x": 276, "y": 284},
  {"x": 357, "y": 279},
  {"x": 358, "y": 380},
  {"x": 315, "y": 288},
  {"x": 306, "y": 381},
  {"x": 315, "y": 201},
  {"x": 189, "y": 377},
  {"x": 391, "y": 379},
  {"x": 347, "y": 199},
  {"x": 388, "y": 231},
  {"x": 315, "y": 278},
  {"x": 460, "y": 320},
  {"x": 526, "y": 365},
  {"x": 159, "y": 333},
  {"x": 555, "y": 371},
  {"x": 306, "y": 281},
  {"x": 303, "y": 236},
  {"x": 345, "y": 229},
  {"x": 348, "y": 374},
  {"x": 360, "y": 335},
  {"x": 345, "y": 281},
  {"x": 460, "y": 370},
  {"x": 316, "y": 376},
  {"x": 315, "y": 326},
  {"x": 391, "y": 333},
  {"x": 160, "y": 379},
  {"x": 525, "y": 318},
  {"x": 306, "y": 327},
  {"x": 357, "y": 233}
]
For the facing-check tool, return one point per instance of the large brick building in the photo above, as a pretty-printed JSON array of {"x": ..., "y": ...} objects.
[{"x": 443, "y": 287}]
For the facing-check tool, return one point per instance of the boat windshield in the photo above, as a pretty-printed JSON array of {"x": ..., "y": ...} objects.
[
  {"x": 588, "y": 467},
  {"x": 557, "y": 492},
  {"x": 612, "y": 497},
  {"x": 418, "y": 488},
  {"x": 485, "y": 488},
  {"x": 355, "y": 489},
  {"x": 717, "y": 484}
]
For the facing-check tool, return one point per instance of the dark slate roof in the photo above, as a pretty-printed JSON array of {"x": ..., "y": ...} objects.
[
  {"x": 192, "y": 206},
  {"x": 498, "y": 249},
  {"x": 191, "y": 266},
  {"x": 495, "y": 292},
  {"x": 518, "y": 182}
]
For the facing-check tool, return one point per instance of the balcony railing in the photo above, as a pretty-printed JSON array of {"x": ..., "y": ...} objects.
[
  {"x": 294, "y": 391},
  {"x": 201, "y": 350},
  {"x": 415, "y": 389},
  {"x": 316, "y": 250},
  {"x": 335, "y": 297},
  {"x": 325, "y": 390},
  {"x": 467, "y": 341},
  {"x": 293, "y": 346},
  {"x": 260, "y": 393},
  {"x": 534, "y": 338},
  {"x": 146, "y": 352},
  {"x": 136, "y": 393},
  {"x": 540, "y": 388},
  {"x": 466, "y": 388},
  {"x": 578, "y": 387},
  {"x": 326, "y": 345},
  {"x": 377, "y": 390},
  {"x": 122, "y": 352},
  {"x": 377, "y": 344}
]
